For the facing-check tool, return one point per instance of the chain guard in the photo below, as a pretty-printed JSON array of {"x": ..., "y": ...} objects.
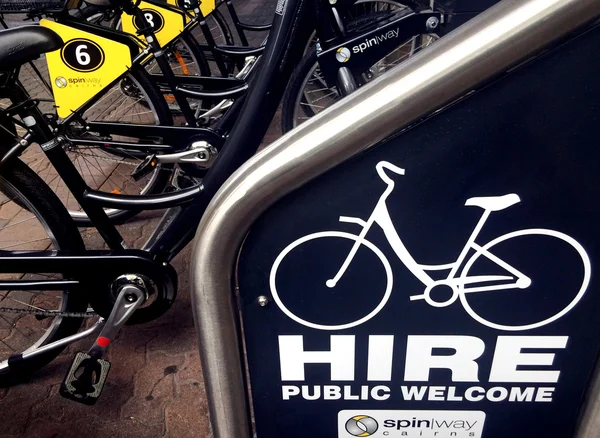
[
  {"x": 96, "y": 271},
  {"x": 164, "y": 279}
]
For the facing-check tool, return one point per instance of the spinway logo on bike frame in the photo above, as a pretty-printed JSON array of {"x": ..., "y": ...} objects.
[
  {"x": 370, "y": 42},
  {"x": 461, "y": 282}
]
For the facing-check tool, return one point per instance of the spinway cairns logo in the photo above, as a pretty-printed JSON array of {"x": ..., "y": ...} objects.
[
  {"x": 410, "y": 424},
  {"x": 342, "y": 54},
  {"x": 60, "y": 82},
  {"x": 361, "y": 425}
]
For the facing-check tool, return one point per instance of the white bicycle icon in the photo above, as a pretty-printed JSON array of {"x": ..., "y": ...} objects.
[{"x": 462, "y": 285}]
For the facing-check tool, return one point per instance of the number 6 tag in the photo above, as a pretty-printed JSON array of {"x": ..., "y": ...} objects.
[
  {"x": 82, "y": 55},
  {"x": 85, "y": 65},
  {"x": 83, "y": 58}
]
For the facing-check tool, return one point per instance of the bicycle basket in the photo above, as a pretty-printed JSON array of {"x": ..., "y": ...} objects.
[{"x": 29, "y": 6}]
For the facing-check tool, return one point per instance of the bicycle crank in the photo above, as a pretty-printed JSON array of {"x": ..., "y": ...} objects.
[
  {"x": 200, "y": 153},
  {"x": 88, "y": 371},
  {"x": 200, "y": 156}
]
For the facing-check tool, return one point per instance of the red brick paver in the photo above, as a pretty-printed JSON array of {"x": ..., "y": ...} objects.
[{"x": 154, "y": 389}]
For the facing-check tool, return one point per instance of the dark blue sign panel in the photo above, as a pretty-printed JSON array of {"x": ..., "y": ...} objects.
[{"x": 443, "y": 284}]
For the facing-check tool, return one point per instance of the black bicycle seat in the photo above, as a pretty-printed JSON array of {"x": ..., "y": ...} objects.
[{"x": 24, "y": 44}]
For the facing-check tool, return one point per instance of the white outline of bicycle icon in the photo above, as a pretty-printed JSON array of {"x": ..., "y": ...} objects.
[{"x": 458, "y": 284}]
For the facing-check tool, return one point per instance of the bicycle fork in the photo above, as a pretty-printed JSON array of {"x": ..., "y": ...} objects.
[{"x": 366, "y": 226}]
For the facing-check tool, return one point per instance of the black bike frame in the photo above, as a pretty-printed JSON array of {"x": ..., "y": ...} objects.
[
  {"x": 291, "y": 28},
  {"x": 175, "y": 139},
  {"x": 246, "y": 123},
  {"x": 374, "y": 41}
]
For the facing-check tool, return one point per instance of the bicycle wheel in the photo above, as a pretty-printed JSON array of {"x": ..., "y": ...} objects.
[
  {"x": 308, "y": 93},
  {"x": 133, "y": 100},
  {"x": 33, "y": 218},
  {"x": 185, "y": 58},
  {"x": 554, "y": 261},
  {"x": 300, "y": 267}
]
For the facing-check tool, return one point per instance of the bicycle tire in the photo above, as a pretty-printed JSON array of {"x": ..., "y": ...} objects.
[
  {"x": 227, "y": 35},
  {"x": 18, "y": 178},
  {"x": 224, "y": 27},
  {"x": 276, "y": 294},
  {"x": 536, "y": 232},
  {"x": 196, "y": 52},
  {"x": 295, "y": 87},
  {"x": 158, "y": 185}
]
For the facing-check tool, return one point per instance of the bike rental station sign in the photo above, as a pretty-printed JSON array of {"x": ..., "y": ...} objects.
[{"x": 442, "y": 284}]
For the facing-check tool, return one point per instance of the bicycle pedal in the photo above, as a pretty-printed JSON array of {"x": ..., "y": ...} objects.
[
  {"x": 85, "y": 380},
  {"x": 144, "y": 168}
]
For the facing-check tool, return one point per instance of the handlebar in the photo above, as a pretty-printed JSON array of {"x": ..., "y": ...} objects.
[{"x": 382, "y": 166}]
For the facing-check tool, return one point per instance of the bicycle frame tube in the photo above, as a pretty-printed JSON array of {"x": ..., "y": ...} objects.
[
  {"x": 65, "y": 168},
  {"x": 286, "y": 44},
  {"x": 382, "y": 218},
  {"x": 469, "y": 244},
  {"x": 285, "y": 48},
  {"x": 517, "y": 275},
  {"x": 161, "y": 59}
]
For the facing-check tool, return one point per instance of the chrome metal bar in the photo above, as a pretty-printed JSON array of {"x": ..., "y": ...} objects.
[
  {"x": 497, "y": 39},
  {"x": 217, "y": 109},
  {"x": 589, "y": 425}
]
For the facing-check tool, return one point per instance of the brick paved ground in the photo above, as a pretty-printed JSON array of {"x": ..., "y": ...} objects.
[{"x": 155, "y": 385}]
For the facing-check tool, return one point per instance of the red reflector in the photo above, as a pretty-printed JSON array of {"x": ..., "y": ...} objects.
[{"x": 103, "y": 342}]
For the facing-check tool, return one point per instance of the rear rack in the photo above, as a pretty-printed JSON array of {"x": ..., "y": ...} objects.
[{"x": 43, "y": 6}]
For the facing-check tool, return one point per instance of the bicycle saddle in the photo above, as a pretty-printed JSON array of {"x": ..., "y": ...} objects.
[
  {"x": 494, "y": 203},
  {"x": 24, "y": 44}
]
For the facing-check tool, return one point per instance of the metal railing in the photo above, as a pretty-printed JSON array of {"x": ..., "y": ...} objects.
[{"x": 497, "y": 39}]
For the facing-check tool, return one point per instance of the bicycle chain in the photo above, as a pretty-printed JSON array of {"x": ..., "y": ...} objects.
[
  {"x": 113, "y": 160},
  {"x": 36, "y": 312}
]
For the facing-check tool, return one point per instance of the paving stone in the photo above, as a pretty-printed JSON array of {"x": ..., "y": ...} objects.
[
  {"x": 191, "y": 371},
  {"x": 187, "y": 416},
  {"x": 154, "y": 389}
]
